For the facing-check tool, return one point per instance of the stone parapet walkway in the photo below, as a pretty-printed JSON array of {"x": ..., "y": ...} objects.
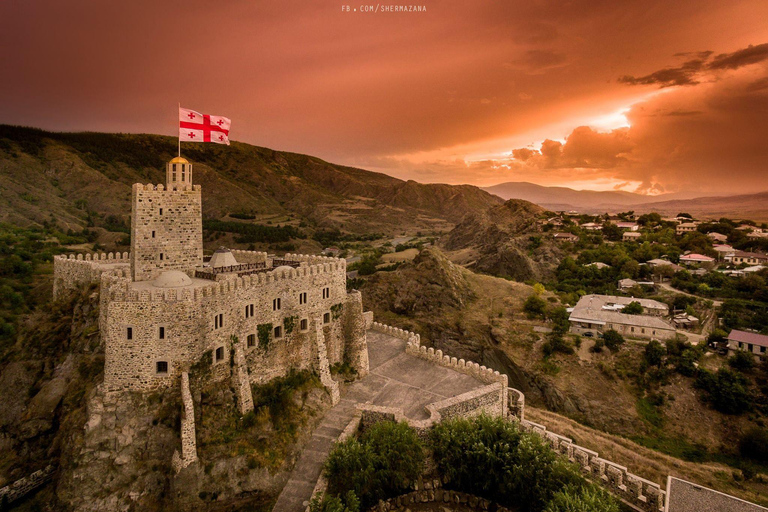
[{"x": 396, "y": 380}]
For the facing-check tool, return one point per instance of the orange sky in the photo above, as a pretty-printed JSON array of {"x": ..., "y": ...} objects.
[{"x": 654, "y": 96}]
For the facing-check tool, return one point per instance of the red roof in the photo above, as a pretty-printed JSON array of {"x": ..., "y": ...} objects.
[{"x": 749, "y": 337}]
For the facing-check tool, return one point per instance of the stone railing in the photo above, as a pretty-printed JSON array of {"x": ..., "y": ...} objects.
[
  {"x": 188, "y": 434},
  {"x": 636, "y": 491},
  {"x": 72, "y": 270},
  {"x": 24, "y": 486},
  {"x": 410, "y": 337}
]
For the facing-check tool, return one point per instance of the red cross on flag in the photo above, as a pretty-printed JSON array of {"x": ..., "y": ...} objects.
[{"x": 197, "y": 127}]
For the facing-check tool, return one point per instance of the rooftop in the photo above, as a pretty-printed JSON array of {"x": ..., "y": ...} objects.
[
  {"x": 603, "y": 309},
  {"x": 760, "y": 340},
  {"x": 683, "y": 496}
]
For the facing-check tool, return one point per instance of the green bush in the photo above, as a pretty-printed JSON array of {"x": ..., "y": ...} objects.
[
  {"x": 742, "y": 361},
  {"x": 330, "y": 503},
  {"x": 381, "y": 464},
  {"x": 493, "y": 458},
  {"x": 613, "y": 340},
  {"x": 633, "y": 308},
  {"x": 535, "y": 307},
  {"x": 754, "y": 444},
  {"x": 585, "y": 499},
  {"x": 726, "y": 390},
  {"x": 654, "y": 353}
]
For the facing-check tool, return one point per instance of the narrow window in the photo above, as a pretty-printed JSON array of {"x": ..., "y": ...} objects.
[
  {"x": 219, "y": 353},
  {"x": 221, "y": 320},
  {"x": 182, "y": 173},
  {"x": 161, "y": 333},
  {"x": 276, "y": 304},
  {"x": 246, "y": 312},
  {"x": 129, "y": 333},
  {"x": 161, "y": 256},
  {"x": 326, "y": 318},
  {"x": 278, "y": 332},
  {"x": 251, "y": 340},
  {"x": 251, "y": 309},
  {"x": 153, "y": 234},
  {"x": 303, "y": 324},
  {"x": 161, "y": 211},
  {"x": 162, "y": 367},
  {"x": 303, "y": 298}
]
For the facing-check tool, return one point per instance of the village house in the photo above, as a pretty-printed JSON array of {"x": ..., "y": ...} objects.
[
  {"x": 630, "y": 226},
  {"x": 567, "y": 237},
  {"x": 685, "y": 227},
  {"x": 631, "y": 236},
  {"x": 600, "y": 313},
  {"x": 717, "y": 237},
  {"x": 724, "y": 251},
  {"x": 749, "y": 258},
  {"x": 696, "y": 259},
  {"x": 747, "y": 341},
  {"x": 592, "y": 226}
]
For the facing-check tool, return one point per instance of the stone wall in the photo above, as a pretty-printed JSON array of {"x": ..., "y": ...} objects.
[
  {"x": 188, "y": 434},
  {"x": 24, "y": 486},
  {"x": 636, "y": 491},
  {"x": 321, "y": 361},
  {"x": 166, "y": 230},
  {"x": 71, "y": 271},
  {"x": 188, "y": 318},
  {"x": 355, "y": 329},
  {"x": 242, "y": 381},
  {"x": 432, "y": 492}
]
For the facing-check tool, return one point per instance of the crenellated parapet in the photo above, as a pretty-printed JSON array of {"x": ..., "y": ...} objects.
[
  {"x": 149, "y": 187},
  {"x": 635, "y": 490},
  {"x": 313, "y": 259},
  {"x": 408, "y": 336},
  {"x": 73, "y": 270}
]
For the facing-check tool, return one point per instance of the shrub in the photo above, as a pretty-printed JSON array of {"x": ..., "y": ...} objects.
[
  {"x": 726, "y": 390},
  {"x": 585, "y": 499},
  {"x": 613, "y": 340},
  {"x": 633, "y": 308},
  {"x": 535, "y": 307},
  {"x": 597, "y": 347},
  {"x": 654, "y": 353},
  {"x": 556, "y": 343},
  {"x": 381, "y": 464},
  {"x": 493, "y": 458},
  {"x": 742, "y": 361},
  {"x": 330, "y": 503},
  {"x": 754, "y": 444}
]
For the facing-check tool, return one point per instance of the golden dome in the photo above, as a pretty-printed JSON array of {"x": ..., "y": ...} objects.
[{"x": 179, "y": 160}]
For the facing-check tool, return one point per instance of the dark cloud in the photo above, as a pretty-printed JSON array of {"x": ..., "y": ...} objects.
[
  {"x": 739, "y": 58},
  {"x": 585, "y": 148},
  {"x": 691, "y": 72}
]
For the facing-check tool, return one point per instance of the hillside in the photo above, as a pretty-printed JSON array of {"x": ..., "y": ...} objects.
[
  {"x": 504, "y": 241},
  {"x": 751, "y": 206},
  {"x": 81, "y": 178},
  {"x": 481, "y": 318}
]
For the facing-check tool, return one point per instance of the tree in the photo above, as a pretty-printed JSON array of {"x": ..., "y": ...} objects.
[
  {"x": 654, "y": 353},
  {"x": 560, "y": 322},
  {"x": 686, "y": 215},
  {"x": 535, "y": 307},
  {"x": 613, "y": 340},
  {"x": 742, "y": 361},
  {"x": 633, "y": 308},
  {"x": 726, "y": 390},
  {"x": 612, "y": 232}
]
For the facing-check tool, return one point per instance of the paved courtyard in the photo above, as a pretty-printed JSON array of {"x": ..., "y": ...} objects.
[{"x": 396, "y": 380}]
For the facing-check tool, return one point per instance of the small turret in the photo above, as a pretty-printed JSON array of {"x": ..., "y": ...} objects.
[{"x": 178, "y": 174}]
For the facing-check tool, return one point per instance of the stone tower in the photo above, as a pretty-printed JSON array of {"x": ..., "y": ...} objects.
[{"x": 166, "y": 224}]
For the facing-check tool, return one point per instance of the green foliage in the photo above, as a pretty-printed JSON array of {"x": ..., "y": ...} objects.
[
  {"x": 633, "y": 308},
  {"x": 253, "y": 233},
  {"x": 598, "y": 346},
  {"x": 328, "y": 237},
  {"x": 337, "y": 310},
  {"x": 345, "y": 370},
  {"x": 367, "y": 264},
  {"x": 726, "y": 390},
  {"x": 556, "y": 343},
  {"x": 654, "y": 353},
  {"x": 381, "y": 464},
  {"x": 289, "y": 323},
  {"x": 276, "y": 396},
  {"x": 560, "y": 322},
  {"x": 582, "y": 499},
  {"x": 754, "y": 444},
  {"x": 264, "y": 333},
  {"x": 330, "y": 503},
  {"x": 742, "y": 361},
  {"x": 493, "y": 458},
  {"x": 647, "y": 409},
  {"x": 613, "y": 340},
  {"x": 535, "y": 307}
]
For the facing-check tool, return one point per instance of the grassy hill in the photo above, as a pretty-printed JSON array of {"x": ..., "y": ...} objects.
[{"x": 81, "y": 179}]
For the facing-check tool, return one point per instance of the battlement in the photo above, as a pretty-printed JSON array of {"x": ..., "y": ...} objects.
[
  {"x": 637, "y": 491},
  {"x": 119, "y": 284},
  {"x": 72, "y": 270},
  {"x": 141, "y": 187},
  {"x": 103, "y": 257}
]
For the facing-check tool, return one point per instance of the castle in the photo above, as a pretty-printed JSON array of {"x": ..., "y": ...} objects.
[{"x": 163, "y": 307}]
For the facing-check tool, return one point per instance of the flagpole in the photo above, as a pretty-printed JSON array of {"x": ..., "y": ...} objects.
[{"x": 179, "y": 135}]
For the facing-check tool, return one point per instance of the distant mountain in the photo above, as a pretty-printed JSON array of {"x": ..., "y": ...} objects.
[
  {"x": 753, "y": 206},
  {"x": 555, "y": 198},
  {"x": 74, "y": 178}
]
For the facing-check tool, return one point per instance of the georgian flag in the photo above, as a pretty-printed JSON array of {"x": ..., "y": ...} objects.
[{"x": 197, "y": 127}]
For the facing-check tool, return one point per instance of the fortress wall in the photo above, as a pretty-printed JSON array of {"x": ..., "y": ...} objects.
[
  {"x": 188, "y": 315},
  {"x": 637, "y": 491},
  {"x": 70, "y": 271},
  {"x": 188, "y": 435},
  {"x": 166, "y": 229},
  {"x": 249, "y": 256}
]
